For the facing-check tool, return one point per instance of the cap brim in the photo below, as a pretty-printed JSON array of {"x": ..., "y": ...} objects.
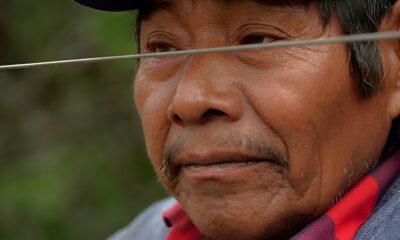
[{"x": 112, "y": 5}]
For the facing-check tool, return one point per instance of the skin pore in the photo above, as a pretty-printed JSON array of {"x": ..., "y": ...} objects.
[{"x": 256, "y": 144}]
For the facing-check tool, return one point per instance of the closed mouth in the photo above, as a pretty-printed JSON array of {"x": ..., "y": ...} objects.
[
  {"x": 220, "y": 162},
  {"x": 222, "y": 158},
  {"x": 226, "y": 164},
  {"x": 223, "y": 161},
  {"x": 227, "y": 169}
]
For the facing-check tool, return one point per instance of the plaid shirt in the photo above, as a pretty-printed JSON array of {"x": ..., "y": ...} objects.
[{"x": 340, "y": 222}]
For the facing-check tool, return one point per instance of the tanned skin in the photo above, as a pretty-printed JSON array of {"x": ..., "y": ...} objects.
[{"x": 256, "y": 144}]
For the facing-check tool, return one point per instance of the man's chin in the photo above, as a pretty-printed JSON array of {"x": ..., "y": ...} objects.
[
  {"x": 228, "y": 217},
  {"x": 235, "y": 211}
]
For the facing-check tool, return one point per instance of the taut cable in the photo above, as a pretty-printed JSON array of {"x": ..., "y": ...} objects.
[{"x": 367, "y": 37}]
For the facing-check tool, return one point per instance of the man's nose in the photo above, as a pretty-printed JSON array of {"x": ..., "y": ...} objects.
[{"x": 206, "y": 91}]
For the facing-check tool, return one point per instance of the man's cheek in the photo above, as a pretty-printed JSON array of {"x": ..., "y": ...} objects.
[{"x": 156, "y": 127}]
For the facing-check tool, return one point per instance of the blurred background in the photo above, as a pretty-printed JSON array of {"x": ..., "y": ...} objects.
[{"x": 73, "y": 163}]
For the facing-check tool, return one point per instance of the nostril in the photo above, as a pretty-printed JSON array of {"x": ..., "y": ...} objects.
[
  {"x": 212, "y": 113},
  {"x": 207, "y": 116},
  {"x": 176, "y": 118}
]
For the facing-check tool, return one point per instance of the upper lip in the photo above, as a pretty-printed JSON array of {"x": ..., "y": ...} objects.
[{"x": 220, "y": 157}]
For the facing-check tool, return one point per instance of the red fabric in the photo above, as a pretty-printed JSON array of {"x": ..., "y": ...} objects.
[
  {"x": 340, "y": 222},
  {"x": 184, "y": 230},
  {"x": 354, "y": 209},
  {"x": 181, "y": 226}
]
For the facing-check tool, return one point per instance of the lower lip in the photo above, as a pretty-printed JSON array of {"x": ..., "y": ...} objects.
[{"x": 220, "y": 170}]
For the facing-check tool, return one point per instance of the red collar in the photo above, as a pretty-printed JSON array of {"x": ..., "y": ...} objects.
[
  {"x": 181, "y": 226},
  {"x": 341, "y": 222}
]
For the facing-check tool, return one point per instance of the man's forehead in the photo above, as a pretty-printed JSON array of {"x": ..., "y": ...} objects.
[
  {"x": 152, "y": 6},
  {"x": 226, "y": 2}
]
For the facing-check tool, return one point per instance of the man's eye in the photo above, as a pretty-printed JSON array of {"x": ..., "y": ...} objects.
[
  {"x": 255, "y": 39},
  {"x": 163, "y": 47}
]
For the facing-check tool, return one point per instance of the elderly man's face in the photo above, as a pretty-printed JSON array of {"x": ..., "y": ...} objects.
[{"x": 254, "y": 144}]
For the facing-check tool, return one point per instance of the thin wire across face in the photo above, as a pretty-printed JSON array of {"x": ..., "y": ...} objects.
[{"x": 280, "y": 44}]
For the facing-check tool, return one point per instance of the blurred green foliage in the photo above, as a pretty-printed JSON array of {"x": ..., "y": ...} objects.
[{"x": 73, "y": 160}]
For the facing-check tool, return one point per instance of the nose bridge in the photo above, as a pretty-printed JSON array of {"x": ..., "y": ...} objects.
[
  {"x": 206, "y": 89},
  {"x": 207, "y": 73}
]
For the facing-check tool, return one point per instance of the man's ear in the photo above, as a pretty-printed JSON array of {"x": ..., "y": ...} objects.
[{"x": 391, "y": 59}]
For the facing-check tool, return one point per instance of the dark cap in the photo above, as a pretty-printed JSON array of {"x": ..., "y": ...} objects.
[{"x": 112, "y": 5}]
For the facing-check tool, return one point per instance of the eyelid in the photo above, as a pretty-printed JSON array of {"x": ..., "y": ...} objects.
[
  {"x": 259, "y": 30},
  {"x": 152, "y": 46},
  {"x": 161, "y": 37}
]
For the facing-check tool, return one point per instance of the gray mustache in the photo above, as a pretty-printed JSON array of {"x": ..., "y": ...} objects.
[{"x": 247, "y": 143}]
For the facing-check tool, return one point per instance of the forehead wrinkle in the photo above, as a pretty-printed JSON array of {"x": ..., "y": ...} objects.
[
  {"x": 153, "y": 6},
  {"x": 270, "y": 3}
]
